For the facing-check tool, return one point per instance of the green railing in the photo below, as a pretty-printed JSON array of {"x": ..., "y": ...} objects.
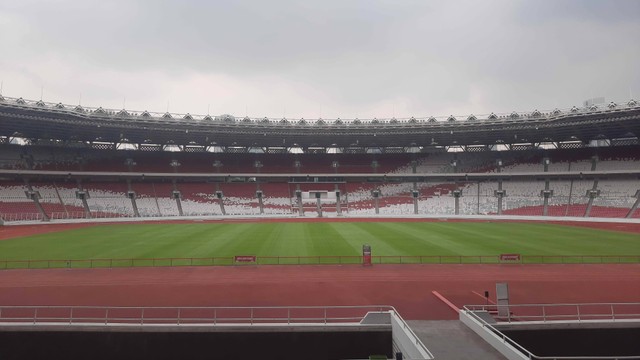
[{"x": 314, "y": 260}]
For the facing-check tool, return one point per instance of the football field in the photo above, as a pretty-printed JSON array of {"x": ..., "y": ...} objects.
[{"x": 312, "y": 239}]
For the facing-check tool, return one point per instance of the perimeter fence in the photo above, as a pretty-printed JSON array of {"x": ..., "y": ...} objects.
[{"x": 312, "y": 260}]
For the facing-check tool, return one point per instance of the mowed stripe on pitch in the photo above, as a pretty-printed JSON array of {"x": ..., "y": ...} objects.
[{"x": 318, "y": 239}]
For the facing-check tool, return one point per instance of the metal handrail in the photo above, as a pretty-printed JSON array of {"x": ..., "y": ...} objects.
[
  {"x": 579, "y": 315},
  {"x": 416, "y": 339},
  {"x": 109, "y": 315},
  {"x": 529, "y": 354}
]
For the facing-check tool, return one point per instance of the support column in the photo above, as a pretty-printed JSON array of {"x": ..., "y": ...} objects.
[
  {"x": 635, "y": 205},
  {"x": 259, "y": 195},
  {"x": 220, "y": 197},
  {"x": 299, "y": 201},
  {"x": 594, "y": 162},
  {"x": 66, "y": 212},
  {"x": 478, "y": 199},
  {"x": 456, "y": 196},
  {"x": 545, "y": 164},
  {"x": 546, "y": 194},
  {"x": 297, "y": 165},
  {"x": 415, "y": 194},
  {"x": 500, "y": 194},
  {"x": 592, "y": 194},
  {"x": 217, "y": 164},
  {"x": 35, "y": 196},
  {"x": 318, "y": 204},
  {"x": 132, "y": 196},
  {"x": 178, "y": 196},
  {"x": 83, "y": 196},
  {"x": 335, "y": 165},
  {"x": 376, "y": 195}
]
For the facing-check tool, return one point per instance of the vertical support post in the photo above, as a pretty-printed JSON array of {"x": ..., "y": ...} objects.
[
  {"x": 319, "y": 204},
  {"x": 546, "y": 194},
  {"x": 83, "y": 196},
  {"x": 613, "y": 314},
  {"x": 220, "y": 197},
  {"x": 376, "y": 195},
  {"x": 500, "y": 194},
  {"x": 592, "y": 194},
  {"x": 456, "y": 197},
  {"x": 299, "y": 201},
  {"x": 132, "y": 196},
  {"x": 635, "y": 205},
  {"x": 478, "y": 199},
  {"x": 35, "y": 197},
  {"x": 177, "y": 196},
  {"x": 259, "y": 195}
]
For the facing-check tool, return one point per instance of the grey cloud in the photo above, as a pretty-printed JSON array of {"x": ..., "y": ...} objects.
[{"x": 349, "y": 56}]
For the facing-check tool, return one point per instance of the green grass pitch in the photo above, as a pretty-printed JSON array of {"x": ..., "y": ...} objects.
[{"x": 301, "y": 239}]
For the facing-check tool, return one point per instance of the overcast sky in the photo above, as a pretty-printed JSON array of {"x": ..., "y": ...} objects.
[{"x": 329, "y": 58}]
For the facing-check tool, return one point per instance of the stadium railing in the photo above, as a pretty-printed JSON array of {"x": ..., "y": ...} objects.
[
  {"x": 312, "y": 260},
  {"x": 561, "y": 312},
  {"x": 9, "y": 217},
  {"x": 548, "y": 312},
  {"x": 103, "y": 315}
]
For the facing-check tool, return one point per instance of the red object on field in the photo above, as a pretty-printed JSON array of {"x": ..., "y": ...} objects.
[
  {"x": 366, "y": 255},
  {"x": 245, "y": 258},
  {"x": 509, "y": 257}
]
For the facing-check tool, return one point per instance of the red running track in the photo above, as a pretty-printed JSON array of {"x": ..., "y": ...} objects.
[{"x": 407, "y": 287}]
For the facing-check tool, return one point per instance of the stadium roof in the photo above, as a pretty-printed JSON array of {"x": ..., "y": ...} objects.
[{"x": 38, "y": 120}]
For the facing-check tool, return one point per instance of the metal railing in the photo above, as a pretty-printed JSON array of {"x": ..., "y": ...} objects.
[
  {"x": 415, "y": 340},
  {"x": 211, "y": 316},
  {"x": 561, "y": 312},
  {"x": 471, "y": 309},
  {"x": 20, "y": 216},
  {"x": 312, "y": 260}
]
